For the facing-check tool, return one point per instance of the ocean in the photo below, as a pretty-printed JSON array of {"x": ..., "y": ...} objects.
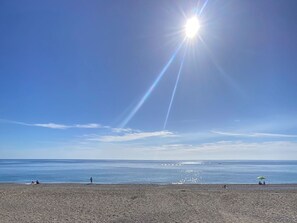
[{"x": 146, "y": 172}]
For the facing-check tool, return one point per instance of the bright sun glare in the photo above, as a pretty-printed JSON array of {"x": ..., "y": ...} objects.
[{"x": 192, "y": 27}]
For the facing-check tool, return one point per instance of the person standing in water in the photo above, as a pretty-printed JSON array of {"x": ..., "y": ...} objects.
[{"x": 91, "y": 180}]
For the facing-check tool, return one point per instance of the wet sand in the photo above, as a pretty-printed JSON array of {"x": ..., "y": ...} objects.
[{"x": 147, "y": 203}]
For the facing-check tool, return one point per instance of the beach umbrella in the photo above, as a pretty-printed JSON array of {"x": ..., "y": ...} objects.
[{"x": 261, "y": 178}]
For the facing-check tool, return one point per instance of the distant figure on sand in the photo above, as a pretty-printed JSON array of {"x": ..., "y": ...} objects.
[
  {"x": 35, "y": 182},
  {"x": 91, "y": 180}
]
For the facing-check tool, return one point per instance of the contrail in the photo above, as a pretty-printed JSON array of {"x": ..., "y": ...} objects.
[
  {"x": 174, "y": 90},
  {"x": 152, "y": 87}
]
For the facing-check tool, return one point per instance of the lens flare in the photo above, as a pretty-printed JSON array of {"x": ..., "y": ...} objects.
[
  {"x": 174, "y": 90},
  {"x": 152, "y": 87},
  {"x": 202, "y": 8},
  {"x": 192, "y": 27}
]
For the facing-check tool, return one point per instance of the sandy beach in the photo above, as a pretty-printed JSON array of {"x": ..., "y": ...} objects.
[{"x": 147, "y": 203}]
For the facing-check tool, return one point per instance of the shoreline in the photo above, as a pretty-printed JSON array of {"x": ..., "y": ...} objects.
[
  {"x": 152, "y": 184},
  {"x": 199, "y": 187}
]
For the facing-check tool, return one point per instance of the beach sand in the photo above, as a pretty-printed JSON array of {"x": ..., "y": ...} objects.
[{"x": 147, "y": 203}]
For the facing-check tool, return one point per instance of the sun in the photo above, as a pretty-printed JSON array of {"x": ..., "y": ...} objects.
[{"x": 192, "y": 27}]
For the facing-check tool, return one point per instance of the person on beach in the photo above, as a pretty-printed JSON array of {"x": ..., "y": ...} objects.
[
  {"x": 34, "y": 182},
  {"x": 91, "y": 180}
]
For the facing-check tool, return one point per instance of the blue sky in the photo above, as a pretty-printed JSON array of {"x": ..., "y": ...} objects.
[{"x": 94, "y": 79}]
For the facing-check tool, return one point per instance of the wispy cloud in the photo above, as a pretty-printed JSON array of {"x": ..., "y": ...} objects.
[
  {"x": 256, "y": 134},
  {"x": 57, "y": 126},
  {"x": 221, "y": 150},
  {"x": 47, "y": 125},
  {"x": 132, "y": 136},
  {"x": 251, "y": 147},
  {"x": 124, "y": 130},
  {"x": 89, "y": 126}
]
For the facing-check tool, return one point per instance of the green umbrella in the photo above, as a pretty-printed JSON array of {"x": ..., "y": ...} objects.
[{"x": 261, "y": 178}]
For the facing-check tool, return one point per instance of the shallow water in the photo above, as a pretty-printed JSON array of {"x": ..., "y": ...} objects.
[{"x": 146, "y": 172}]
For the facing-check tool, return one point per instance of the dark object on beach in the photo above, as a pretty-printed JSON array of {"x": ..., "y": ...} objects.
[
  {"x": 225, "y": 186},
  {"x": 35, "y": 182},
  {"x": 261, "y": 178},
  {"x": 91, "y": 180}
]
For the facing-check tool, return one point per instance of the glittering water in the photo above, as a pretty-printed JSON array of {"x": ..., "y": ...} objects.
[{"x": 146, "y": 172}]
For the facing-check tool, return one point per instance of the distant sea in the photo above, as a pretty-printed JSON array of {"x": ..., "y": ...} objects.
[{"x": 147, "y": 172}]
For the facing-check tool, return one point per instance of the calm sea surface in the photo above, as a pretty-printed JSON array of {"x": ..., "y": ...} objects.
[{"x": 146, "y": 172}]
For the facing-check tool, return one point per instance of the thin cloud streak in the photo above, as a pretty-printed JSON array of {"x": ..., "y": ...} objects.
[
  {"x": 132, "y": 136},
  {"x": 223, "y": 146},
  {"x": 57, "y": 126},
  {"x": 124, "y": 130},
  {"x": 49, "y": 125},
  {"x": 256, "y": 134}
]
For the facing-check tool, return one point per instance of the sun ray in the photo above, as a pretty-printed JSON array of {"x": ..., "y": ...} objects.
[
  {"x": 203, "y": 6},
  {"x": 174, "y": 90},
  {"x": 152, "y": 87}
]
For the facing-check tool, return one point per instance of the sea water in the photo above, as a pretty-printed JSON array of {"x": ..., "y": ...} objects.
[{"x": 147, "y": 172}]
